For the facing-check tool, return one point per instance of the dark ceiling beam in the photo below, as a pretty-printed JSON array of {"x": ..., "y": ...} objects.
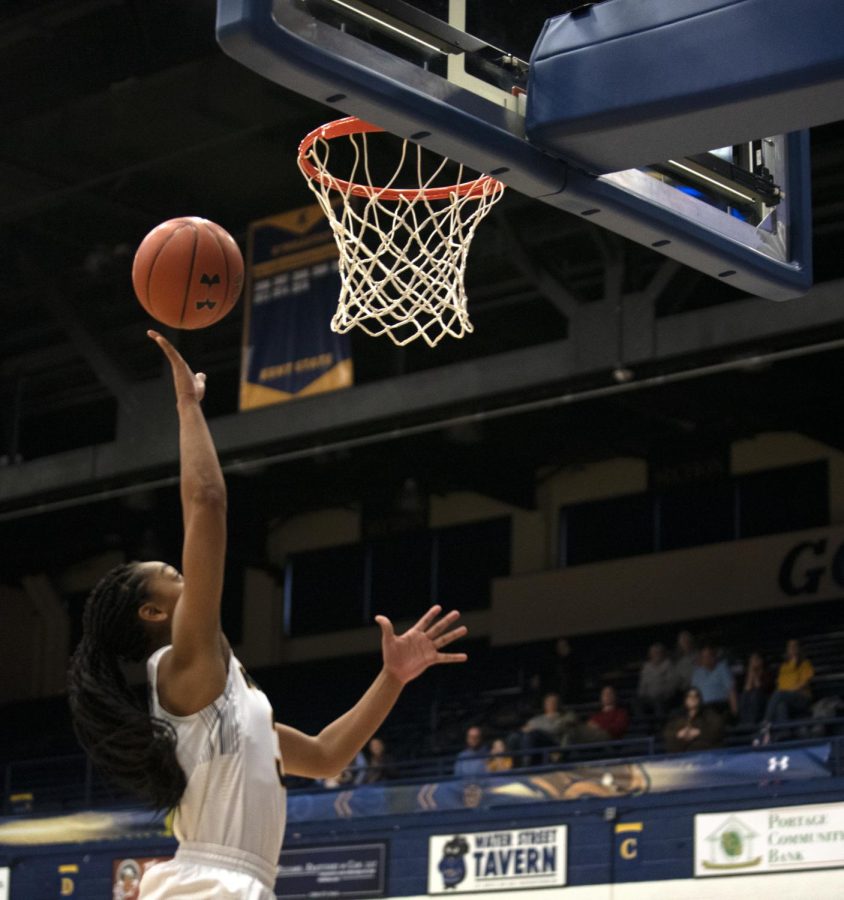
[
  {"x": 146, "y": 445},
  {"x": 658, "y": 284},
  {"x": 23, "y": 209},
  {"x": 55, "y": 355},
  {"x": 47, "y": 17},
  {"x": 557, "y": 294},
  {"x": 107, "y": 371},
  {"x": 639, "y": 314},
  {"x": 193, "y": 85},
  {"x": 748, "y": 320},
  {"x": 44, "y": 185},
  {"x": 147, "y": 439},
  {"x": 611, "y": 247}
]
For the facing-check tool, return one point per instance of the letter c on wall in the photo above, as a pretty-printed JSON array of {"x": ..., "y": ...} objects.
[{"x": 629, "y": 848}]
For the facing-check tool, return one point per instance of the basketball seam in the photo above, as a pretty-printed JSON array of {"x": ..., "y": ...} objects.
[
  {"x": 223, "y": 310},
  {"x": 151, "y": 267},
  {"x": 190, "y": 272}
]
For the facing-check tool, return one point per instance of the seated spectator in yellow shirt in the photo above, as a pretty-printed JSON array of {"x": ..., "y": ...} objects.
[
  {"x": 792, "y": 698},
  {"x": 499, "y": 760}
]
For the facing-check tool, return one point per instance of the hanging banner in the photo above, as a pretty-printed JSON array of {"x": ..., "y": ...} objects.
[{"x": 293, "y": 283}]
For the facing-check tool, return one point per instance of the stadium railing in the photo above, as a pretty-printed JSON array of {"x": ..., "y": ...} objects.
[{"x": 69, "y": 783}]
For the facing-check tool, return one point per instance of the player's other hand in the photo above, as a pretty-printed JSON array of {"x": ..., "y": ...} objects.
[
  {"x": 406, "y": 656},
  {"x": 186, "y": 383}
]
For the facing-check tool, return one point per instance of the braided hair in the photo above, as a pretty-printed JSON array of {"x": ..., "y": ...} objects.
[{"x": 135, "y": 751}]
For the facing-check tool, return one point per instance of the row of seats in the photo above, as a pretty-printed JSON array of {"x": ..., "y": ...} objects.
[{"x": 491, "y": 690}]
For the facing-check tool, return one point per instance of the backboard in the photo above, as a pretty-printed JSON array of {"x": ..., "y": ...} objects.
[{"x": 454, "y": 76}]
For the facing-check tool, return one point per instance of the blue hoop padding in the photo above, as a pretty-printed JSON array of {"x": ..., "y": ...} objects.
[{"x": 625, "y": 84}]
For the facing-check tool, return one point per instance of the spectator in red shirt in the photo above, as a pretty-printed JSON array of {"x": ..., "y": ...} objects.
[
  {"x": 609, "y": 723},
  {"x": 614, "y": 720}
]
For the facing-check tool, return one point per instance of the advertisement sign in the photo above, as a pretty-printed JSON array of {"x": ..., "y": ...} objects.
[
  {"x": 769, "y": 840},
  {"x": 4, "y": 883},
  {"x": 126, "y": 875},
  {"x": 824, "y": 884},
  {"x": 353, "y": 871},
  {"x": 497, "y": 860}
]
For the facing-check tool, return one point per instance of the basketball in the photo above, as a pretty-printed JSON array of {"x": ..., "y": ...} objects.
[{"x": 188, "y": 273}]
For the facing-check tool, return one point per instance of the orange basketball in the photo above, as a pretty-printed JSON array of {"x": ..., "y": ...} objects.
[{"x": 188, "y": 273}]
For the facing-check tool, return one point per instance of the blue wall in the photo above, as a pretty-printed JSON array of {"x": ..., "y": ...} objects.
[{"x": 629, "y": 839}]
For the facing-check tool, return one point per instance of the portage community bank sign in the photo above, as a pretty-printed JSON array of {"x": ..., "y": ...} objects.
[
  {"x": 769, "y": 840},
  {"x": 497, "y": 860}
]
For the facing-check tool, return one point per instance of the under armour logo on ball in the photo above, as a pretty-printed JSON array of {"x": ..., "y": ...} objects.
[
  {"x": 209, "y": 303},
  {"x": 210, "y": 280}
]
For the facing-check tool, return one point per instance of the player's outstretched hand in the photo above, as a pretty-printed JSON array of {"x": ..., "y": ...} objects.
[
  {"x": 185, "y": 382},
  {"x": 406, "y": 656}
]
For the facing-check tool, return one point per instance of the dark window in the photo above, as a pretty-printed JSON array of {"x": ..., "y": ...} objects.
[
  {"x": 400, "y": 586},
  {"x": 606, "y": 529},
  {"x": 696, "y": 514},
  {"x": 468, "y": 557},
  {"x": 786, "y": 499},
  {"x": 56, "y": 431},
  {"x": 325, "y": 590},
  {"x": 769, "y": 502}
]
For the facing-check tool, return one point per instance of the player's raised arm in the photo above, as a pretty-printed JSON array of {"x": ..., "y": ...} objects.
[
  {"x": 193, "y": 673},
  {"x": 406, "y": 656}
]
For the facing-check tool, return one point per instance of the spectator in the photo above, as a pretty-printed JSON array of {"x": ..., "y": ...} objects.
[
  {"x": 657, "y": 684},
  {"x": 684, "y": 659},
  {"x": 380, "y": 765},
  {"x": 713, "y": 678},
  {"x": 472, "y": 759},
  {"x": 500, "y": 760},
  {"x": 611, "y": 719},
  {"x": 756, "y": 690},
  {"x": 792, "y": 699},
  {"x": 609, "y": 723},
  {"x": 559, "y": 674},
  {"x": 548, "y": 729},
  {"x": 699, "y": 727}
]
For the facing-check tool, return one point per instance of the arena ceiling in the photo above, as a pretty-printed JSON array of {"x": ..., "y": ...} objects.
[{"x": 118, "y": 114}]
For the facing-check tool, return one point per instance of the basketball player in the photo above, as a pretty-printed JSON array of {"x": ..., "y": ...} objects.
[{"x": 208, "y": 745}]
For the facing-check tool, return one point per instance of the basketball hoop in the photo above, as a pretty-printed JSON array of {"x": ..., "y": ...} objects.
[{"x": 402, "y": 248}]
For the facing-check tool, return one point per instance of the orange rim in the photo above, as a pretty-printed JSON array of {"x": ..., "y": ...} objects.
[{"x": 353, "y": 125}]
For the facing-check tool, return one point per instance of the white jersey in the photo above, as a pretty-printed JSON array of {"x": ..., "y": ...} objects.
[{"x": 229, "y": 751}]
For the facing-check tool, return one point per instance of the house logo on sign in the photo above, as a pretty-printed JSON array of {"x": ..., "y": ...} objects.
[{"x": 732, "y": 846}]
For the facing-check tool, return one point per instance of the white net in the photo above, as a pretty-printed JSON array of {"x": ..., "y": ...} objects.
[{"x": 402, "y": 249}]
